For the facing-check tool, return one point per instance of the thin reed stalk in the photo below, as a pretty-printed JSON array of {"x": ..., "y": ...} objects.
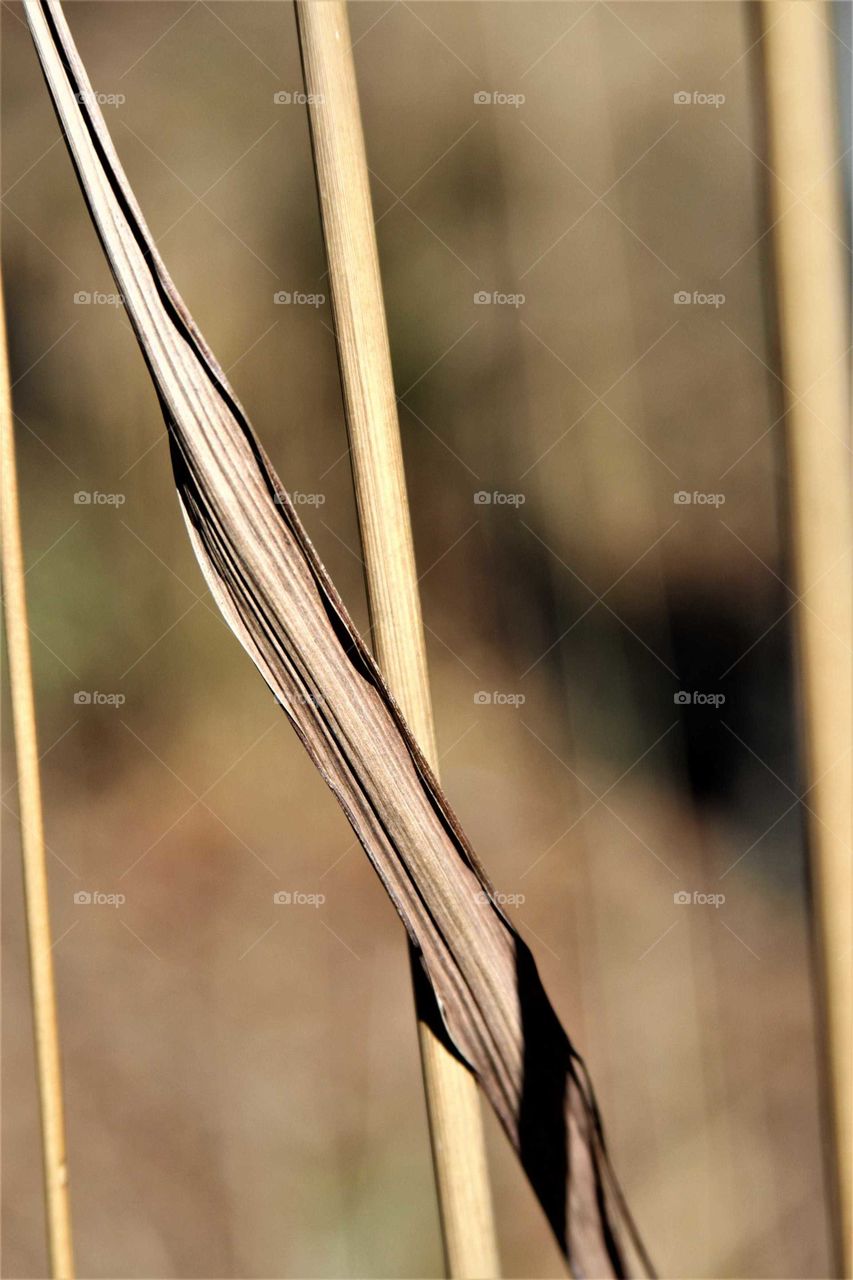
[
  {"x": 340, "y": 163},
  {"x": 815, "y": 337},
  {"x": 43, "y": 991}
]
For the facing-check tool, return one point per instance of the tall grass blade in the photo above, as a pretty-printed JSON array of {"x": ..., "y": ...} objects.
[
  {"x": 278, "y": 599},
  {"x": 48, "y": 1067},
  {"x": 364, "y": 358}
]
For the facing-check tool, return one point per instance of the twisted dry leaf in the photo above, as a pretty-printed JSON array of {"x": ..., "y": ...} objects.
[{"x": 489, "y": 1003}]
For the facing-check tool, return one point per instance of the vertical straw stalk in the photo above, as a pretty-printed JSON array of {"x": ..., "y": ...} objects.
[
  {"x": 370, "y": 405},
  {"x": 32, "y": 844},
  {"x": 815, "y": 337}
]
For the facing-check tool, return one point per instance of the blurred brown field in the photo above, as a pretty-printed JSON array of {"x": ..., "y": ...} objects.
[{"x": 596, "y": 472}]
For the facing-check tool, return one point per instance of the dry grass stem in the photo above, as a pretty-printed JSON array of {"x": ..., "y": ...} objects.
[
  {"x": 815, "y": 344},
  {"x": 340, "y": 163},
  {"x": 48, "y": 1066}
]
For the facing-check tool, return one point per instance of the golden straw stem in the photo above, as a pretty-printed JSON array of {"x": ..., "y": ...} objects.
[
  {"x": 340, "y": 163},
  {"x": 815, "y": 337},
  {"x": 32, "y": 843}
]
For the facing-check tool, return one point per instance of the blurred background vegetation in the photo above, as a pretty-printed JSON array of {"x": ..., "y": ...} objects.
[{"x": 243, "y": 1088}]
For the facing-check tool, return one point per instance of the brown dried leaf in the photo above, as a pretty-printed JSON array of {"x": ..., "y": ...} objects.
[{"x": 279, "y": 601}]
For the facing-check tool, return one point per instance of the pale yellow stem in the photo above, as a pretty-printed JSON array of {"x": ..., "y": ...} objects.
[
  {"x": 812, "y": 275},
  {"x": 392, "y": 586},
  {"x": 32, "y": 843}
]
